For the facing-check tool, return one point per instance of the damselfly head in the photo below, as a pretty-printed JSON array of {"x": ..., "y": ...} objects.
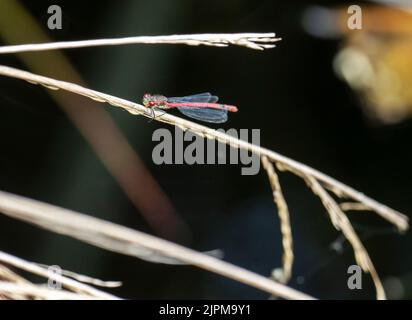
[{"x": 147, "y": 100}]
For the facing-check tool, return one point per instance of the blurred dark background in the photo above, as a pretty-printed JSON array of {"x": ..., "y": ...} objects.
[{"x": 291, "y": 93}]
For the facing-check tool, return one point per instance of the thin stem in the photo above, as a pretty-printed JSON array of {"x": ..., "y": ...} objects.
[
  {"x": 31, "y": 290},
  {"x": 283, "y": 213},
  {"x": 67, "y": 282},
  {"x": 341, "y": 222},
  {"x": 257, "y": 41}
]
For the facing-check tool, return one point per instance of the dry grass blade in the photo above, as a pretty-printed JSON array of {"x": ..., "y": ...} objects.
[
  {"x": 86, "y": 279},
  {"x": 130, "y": 242},
  {"x": 285, "y": 228},
  {"x": 9, "y": 276},
  {"x": 393, "y": 216},
  {"x": 71, "y": 284},
  {"x": 257, "y": 41},
  {"x": 342, "y": 223},
  {"x": 32, "y": 291},
  {"x": 353, "y": 206}
]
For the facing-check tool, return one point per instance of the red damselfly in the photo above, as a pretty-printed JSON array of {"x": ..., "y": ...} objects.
[{"x": 202, "y": 106}]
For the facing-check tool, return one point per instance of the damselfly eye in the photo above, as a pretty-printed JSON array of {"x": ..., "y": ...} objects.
[{"x": 152, "y": 103}]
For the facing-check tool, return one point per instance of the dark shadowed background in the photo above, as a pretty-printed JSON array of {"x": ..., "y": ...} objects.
[{"x": 290, "y": 93}]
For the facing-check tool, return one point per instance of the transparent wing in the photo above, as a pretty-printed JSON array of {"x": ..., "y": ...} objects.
[
  {"x": 200, "y": 97},
  {"x": 205, "y": 114}
]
